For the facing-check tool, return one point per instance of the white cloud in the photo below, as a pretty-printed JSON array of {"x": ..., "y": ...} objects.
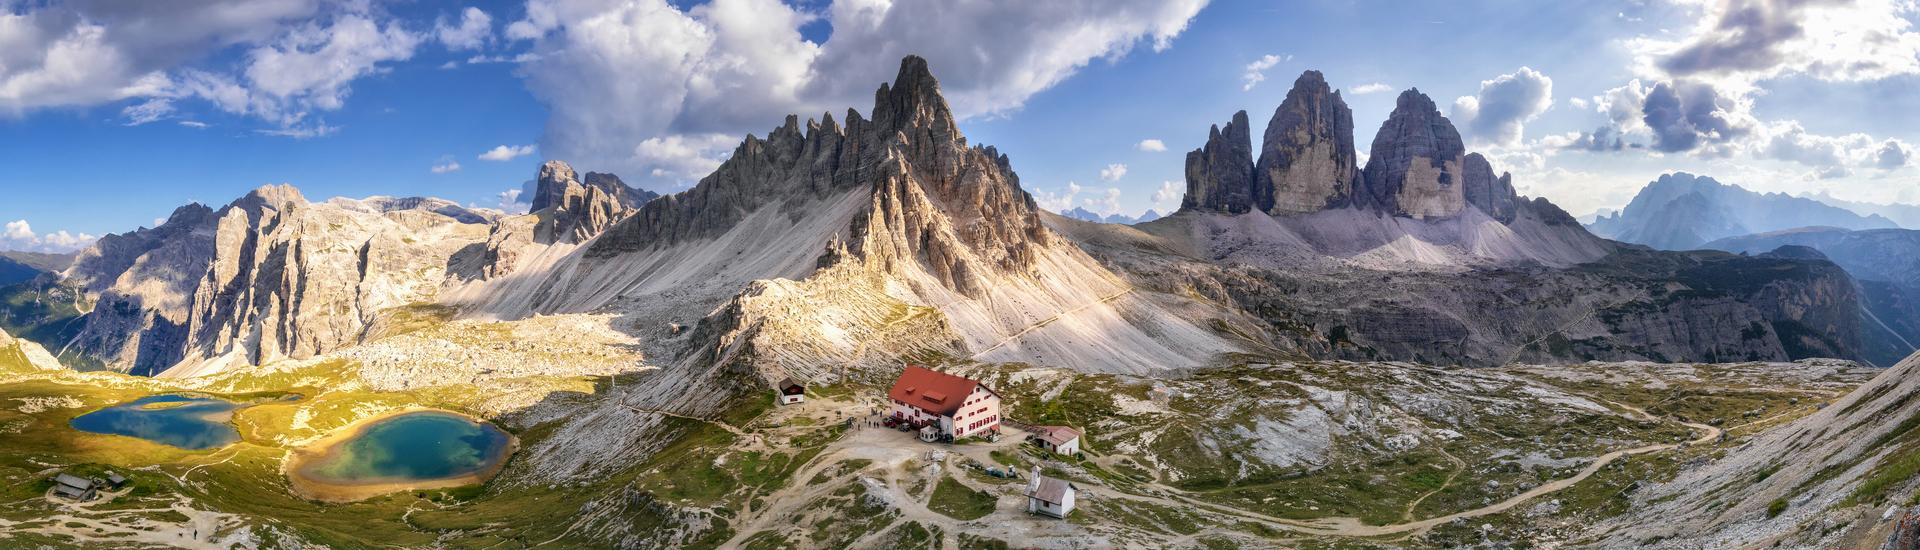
[
  {"x": 1057, "y": 201},
  {"x": 19, "y": 235},
  {"x": 311, "y": 67},
  {"x": 1169, "y": 194},
  {"x": 684, "y": 157},
  {"x": 1113, "y": 172},
  {"x": 194, "y": 124},
  {"x": 147, "y": 111},
  {"x": 19, "y": 230},
  {"x": 736, "y": 66},
  {"x": 473, "y": 32},
  {"x": 1371, "y": 88},
  {"x": 510, "y": 202},
  {"x": 1151, "y": 145},
  {"x": 1740, "y": 42},
  {"x": 1830, "y": 156},
  {"x": 1892, "y": 154},
  {"x": 84, "y": 53},
  {"x": 1580, "y": 104},
  {"x": 1256, "y": 72},
  {"x": 446, "y": 166},
  {"x": 1107, "y": 204},
  {"x": 503, "y": 153},
  {"x": 298, "y": 57},
  {"x": 1499, "y": 112}
]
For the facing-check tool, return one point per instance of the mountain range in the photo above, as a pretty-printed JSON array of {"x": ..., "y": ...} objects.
[
  {"x": 1423, "y": 254},
  {"x": 1300, "y": 317},
  {"x": 1083, "y": 214},
  {"x": 1681, "y": 211}
]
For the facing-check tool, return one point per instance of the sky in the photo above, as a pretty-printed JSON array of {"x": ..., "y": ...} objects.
[{"x": 114, "y": 113}]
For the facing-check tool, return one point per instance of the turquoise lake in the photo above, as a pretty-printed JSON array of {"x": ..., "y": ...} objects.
[
  {"x": 412, "y": 447},
  {"x": 197, "y": 423}
]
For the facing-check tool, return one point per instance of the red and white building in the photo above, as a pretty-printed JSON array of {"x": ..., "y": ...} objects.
[{"x": 955, "y": 406}]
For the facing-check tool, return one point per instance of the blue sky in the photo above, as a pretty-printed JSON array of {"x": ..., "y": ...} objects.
[{"x": 112, "y": 114}]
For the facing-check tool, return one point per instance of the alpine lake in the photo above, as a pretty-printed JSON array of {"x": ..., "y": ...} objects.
[{"x": 424, "y": 449}]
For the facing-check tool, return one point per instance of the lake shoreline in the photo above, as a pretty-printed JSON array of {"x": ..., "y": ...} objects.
[{"x": 330, "y": 445}]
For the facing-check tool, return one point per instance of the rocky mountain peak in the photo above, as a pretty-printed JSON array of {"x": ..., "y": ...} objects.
[
  {"x": 913, "y": 101},
  {"x": 1416, "y": 164},
  {"x": 1493, "y": 195},
  {"x": 1307, "y": 160},
  {"x": 271, "y": 196},
  {"x": 1220, "y": 173},
  {"x": 572, "y": 211}
]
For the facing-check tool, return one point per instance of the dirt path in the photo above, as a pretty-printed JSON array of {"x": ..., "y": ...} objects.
[
  {"x": 891, "y": 451},
  {"x": 1353, "y": 527},
  {"x": 1459, "y": 467},
  {"x": 1047, "y": 321},
  {"x": 131, "y": 527},
  {"x": 722, "y": 425}
]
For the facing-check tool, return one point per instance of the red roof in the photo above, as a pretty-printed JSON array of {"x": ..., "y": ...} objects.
[{"x": 936, "y": 392}]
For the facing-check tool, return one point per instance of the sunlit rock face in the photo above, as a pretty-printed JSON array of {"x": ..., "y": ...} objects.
[
  {"x": 1416, "y": 165},
  {"x": 1307, "y": 160}
]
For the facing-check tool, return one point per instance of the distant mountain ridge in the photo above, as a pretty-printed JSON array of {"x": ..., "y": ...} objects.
[
  {"x": 1907, "y": 215},
  {"x": 1079, "y": 213},
  {"x": 1682, "y": 211},
  {"x": 1885, "y": 262}
]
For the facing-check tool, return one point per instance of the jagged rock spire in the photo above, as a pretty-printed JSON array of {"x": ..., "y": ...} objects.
[
  {"x": 1307, "y": 160},
  {"x": 573, "y": 211},
  {"x": 1415, "y": 168},
  {"x": 1220, "y": 174}
]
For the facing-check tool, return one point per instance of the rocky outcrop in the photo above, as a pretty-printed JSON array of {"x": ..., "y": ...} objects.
[
  {"x": 1419, "y": 166},
  {"x": 1220, "y": 174},
  {"x": 1307, "y": 161},
  {"x": 957, "y": 211},
  {"x": 1492, "y": 195},
  {"x": 573, "y": 211},
  {"x": 1417, "y": 162},
  {"x": 268, "y": 276}
]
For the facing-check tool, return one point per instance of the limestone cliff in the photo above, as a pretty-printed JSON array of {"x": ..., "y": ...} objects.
[
  {"x": 270, "y": 275},
  {"x": 1307, "y": 161},
  {"x": 1220, "y": 174},
  {"x": 1415, "y": 168}
]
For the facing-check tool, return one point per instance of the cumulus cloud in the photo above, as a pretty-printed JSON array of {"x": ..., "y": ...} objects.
[
  {"x": 1151, "y": 145},
  {"x": 510, "y": 202},
  {"x": 503, "y": 153},
  {"x": 1113, "y": 172},
  {"x": 1685, "y": 116},
  {"x": 1499, "y": 112},
  {"x": 471, "y": 33},
  {"x": 19, "y": 235},
  {"x": 88, "y": 52},
  {"x": 1168, "y": 195},
  {"x": 1604, "y": 138},
  {"x": 1371, "y": 88},
  {"x": 1107, "y": 204},
  {"x": 731, "y": 67},
  {"x": 296, "y": 58},
  {"x": 446, "y": 166},
  {"x": 1256, "y": 72},
  {"x": 684, "y": 157},
  {"x": 1739, "y": 42},
  {"x": 1057, "y": 201},
  {"x": 1891, "y": 155}
]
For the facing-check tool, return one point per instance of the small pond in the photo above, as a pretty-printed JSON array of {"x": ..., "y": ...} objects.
[
  {"x": 402, "y": 450},
  {"x": 183, "y": 421}
]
